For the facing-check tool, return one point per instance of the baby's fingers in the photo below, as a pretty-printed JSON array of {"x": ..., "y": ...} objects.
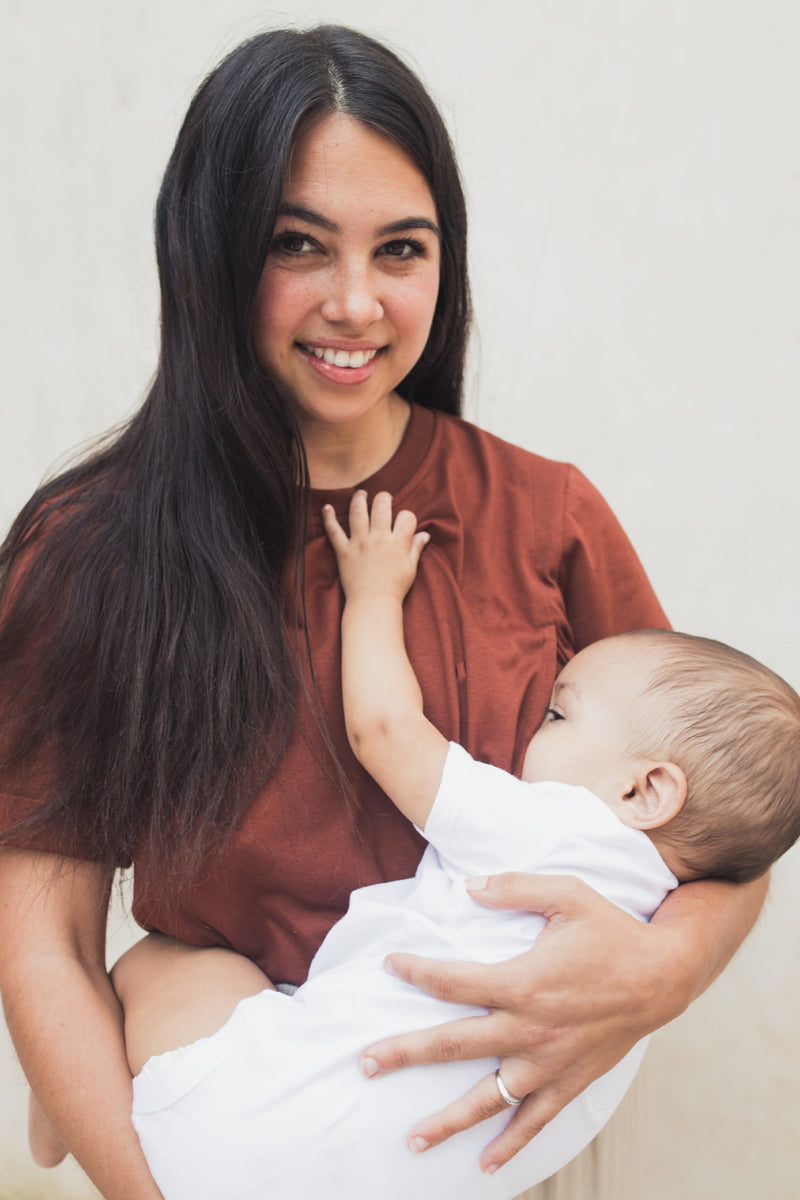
[
  {"x": 381, "y": 518},
  {"x": 359, "y": 514},
  {"x": 336, "y": 535},
  {"x": 405, "y": 532},
  {"x": 418, "y": 544},
  {"x": 405, "y": 524}
]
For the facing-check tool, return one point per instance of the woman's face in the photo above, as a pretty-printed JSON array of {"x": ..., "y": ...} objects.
[{"x": 348, "y": 292}]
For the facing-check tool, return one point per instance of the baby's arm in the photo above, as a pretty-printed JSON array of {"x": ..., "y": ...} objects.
[{"x": 387, "y": 729}]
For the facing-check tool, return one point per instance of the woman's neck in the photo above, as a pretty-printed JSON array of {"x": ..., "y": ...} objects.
[{"x": 340, "y": 456}]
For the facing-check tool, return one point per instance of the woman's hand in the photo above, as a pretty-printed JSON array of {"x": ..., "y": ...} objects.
[{"x": 569, "y": 1009}]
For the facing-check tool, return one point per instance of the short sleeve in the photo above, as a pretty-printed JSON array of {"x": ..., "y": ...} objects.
[
  {"x": 485, "y": 820},
  {"x": 604, "y": 586},
  {"x": 23, "y": 792},
  {"x": 27, "y": 787}
]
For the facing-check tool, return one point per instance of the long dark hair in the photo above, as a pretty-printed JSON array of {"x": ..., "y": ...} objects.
[{"x": 147, "y": 666}]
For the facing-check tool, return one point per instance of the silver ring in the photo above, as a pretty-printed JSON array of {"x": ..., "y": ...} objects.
[{"x": 510, "y": 1100}]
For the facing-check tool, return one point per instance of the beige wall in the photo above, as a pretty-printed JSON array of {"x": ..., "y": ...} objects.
[{"x": 633, "y": 176}]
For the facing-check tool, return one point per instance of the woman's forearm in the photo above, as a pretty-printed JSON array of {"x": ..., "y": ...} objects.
[
  {"x": 66, "y": 1027},
  {"x": 709, "y": 920},
  {"x": 63, "y": 1016}
]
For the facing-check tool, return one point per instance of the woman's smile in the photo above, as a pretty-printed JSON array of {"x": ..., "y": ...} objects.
[
  {"x": 343, "y": 356},
  {"x": 346, "y": 364}
]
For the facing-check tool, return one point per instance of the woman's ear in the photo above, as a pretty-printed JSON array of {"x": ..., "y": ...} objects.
[{"x": 655, "y": 796}]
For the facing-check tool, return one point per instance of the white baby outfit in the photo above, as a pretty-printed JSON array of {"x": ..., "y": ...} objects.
[{"x": 273, "y": 1104}]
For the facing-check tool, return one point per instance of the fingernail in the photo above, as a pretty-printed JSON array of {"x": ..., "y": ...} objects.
[
  {"x": 369, "y": 1067},
  {"x": 388, "y": 966},
  {"x": 490, "y": 1170},
  {"x": 478, "y": 883},
  {"x": 418, "y": 1144}
]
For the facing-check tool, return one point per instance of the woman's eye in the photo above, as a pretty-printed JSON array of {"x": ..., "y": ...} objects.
[
  {"x": 552, "y": 714},
  {"x": 403, "y": 249},
  {"x": 292, "y": 243}
]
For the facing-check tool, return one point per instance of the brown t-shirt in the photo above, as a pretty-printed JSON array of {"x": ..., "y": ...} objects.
[{"x": 525, "y": 566}]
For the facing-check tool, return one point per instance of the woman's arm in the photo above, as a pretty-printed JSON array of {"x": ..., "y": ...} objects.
[
  {"x": 64, "y": 1017},
  {"x": 565, "y": 1012}
]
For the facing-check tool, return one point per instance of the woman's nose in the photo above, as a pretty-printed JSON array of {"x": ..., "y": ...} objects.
[{"x": 353, "y": 298}]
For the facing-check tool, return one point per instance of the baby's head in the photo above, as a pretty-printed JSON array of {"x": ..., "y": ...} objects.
[{"x": 693, "y": 742}]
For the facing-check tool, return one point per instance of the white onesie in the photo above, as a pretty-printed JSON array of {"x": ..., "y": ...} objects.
[{"x": 273, "y": 1104}]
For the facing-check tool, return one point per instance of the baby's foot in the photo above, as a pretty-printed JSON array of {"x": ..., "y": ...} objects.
[{"x": 47, "y": 1148}]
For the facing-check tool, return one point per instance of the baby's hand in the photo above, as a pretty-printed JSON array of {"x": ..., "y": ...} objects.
[{"x": 376, "y": 559}]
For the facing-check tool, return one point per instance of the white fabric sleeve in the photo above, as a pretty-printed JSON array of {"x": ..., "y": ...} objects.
[{"x": 485, "y": 820}]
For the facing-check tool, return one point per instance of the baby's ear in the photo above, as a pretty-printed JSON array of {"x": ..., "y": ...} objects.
[{"x": 656, "y": 795}]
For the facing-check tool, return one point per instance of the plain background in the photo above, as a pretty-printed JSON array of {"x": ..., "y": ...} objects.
[{"x": 633, "y": 170}]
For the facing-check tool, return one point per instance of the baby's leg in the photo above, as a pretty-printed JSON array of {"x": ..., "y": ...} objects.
[{"x": 172, "y": 994}]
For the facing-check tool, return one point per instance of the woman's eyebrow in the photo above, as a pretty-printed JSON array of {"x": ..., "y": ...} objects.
[
  {"x": 307, "y": 214},
  {"x": 301, "y": 213},
  {"x": 410, "y": 223}
]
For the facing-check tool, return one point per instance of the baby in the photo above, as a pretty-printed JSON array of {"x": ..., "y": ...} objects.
[{"x": 661, "y": 758}]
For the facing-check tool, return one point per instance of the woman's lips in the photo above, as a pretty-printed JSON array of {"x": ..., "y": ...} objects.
[
  {"x": 342, "y": 358},
  {"x": 339, "y": 365}
]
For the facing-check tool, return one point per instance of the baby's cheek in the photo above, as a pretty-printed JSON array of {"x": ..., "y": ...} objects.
[{"x": 535, "y": 768}]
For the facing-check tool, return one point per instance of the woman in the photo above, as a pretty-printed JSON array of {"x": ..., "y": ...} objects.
[{"x": 178, "y": 704}]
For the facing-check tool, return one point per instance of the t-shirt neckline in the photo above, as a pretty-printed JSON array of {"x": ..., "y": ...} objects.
[{"x": 399, "y": 475}]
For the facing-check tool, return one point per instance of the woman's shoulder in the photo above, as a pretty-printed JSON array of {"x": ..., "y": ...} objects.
[
  {"x": 61, "y": 527},
  {"x": 461, "y": 431},
  {"x": 55, "y": 503},
  {"x": 462, "y": 443},
  {"x": 500, "y": 485}
]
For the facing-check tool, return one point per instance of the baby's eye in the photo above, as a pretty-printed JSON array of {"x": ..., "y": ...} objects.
[{"x": 403, "y": 249}]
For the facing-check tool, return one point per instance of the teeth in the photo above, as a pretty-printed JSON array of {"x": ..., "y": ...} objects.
[{"x": 342, "y": 358}]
